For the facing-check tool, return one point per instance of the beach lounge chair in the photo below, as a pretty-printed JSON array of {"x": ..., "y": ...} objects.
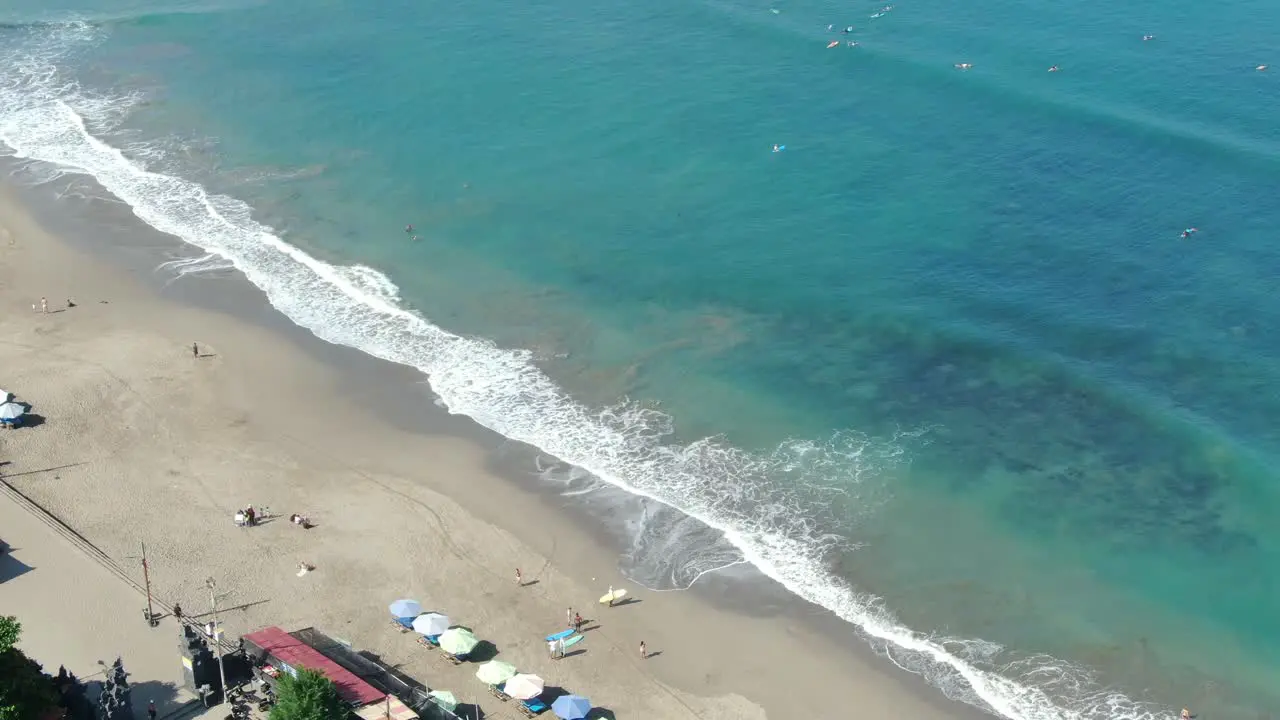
[
  {"x": 455, "y": 659},
  {"x": 430, "y": 642},
  {"x": 402, "y": 624},
  {"x": 497, "y": 691},
  {"x": 533, "y": 707}
]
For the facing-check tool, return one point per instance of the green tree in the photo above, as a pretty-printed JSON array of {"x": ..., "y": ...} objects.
[
  {"x": 26, "y": 693},
  {"x": 309, "y": 696}
]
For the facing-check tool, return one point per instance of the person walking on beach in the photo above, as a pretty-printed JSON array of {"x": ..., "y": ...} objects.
[
  {"x": 519, "y": 577},
  {"x": 644, "y": 651},
  {"x": 195, "y": 350},
  {"x": 568, "y": 617},
  {"x": 44, "y": 305},
  {"x": 610, "y": 596},
  {"x": 577, "y": 622}
]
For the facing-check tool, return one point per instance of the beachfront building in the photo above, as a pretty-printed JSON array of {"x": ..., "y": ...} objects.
[{"x": 373, "y": 691}]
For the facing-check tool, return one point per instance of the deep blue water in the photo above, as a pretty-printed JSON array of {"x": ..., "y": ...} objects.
[{"x": 949, "y": 346}]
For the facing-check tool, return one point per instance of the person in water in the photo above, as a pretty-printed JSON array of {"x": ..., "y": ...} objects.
[
  {"x": 408, "y": 229},
  {"x": 1189, "y": 232}
]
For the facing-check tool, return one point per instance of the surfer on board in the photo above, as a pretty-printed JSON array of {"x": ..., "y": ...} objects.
[
  {"x": 833, "y": 43},
  {"x": 1189, "y": 232},
  {"x": 1053, "y": 69},
  {"x": 1148, "y": 37}
]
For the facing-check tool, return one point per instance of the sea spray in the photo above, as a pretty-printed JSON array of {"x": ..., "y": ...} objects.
[{"x": 45, "y": 116}]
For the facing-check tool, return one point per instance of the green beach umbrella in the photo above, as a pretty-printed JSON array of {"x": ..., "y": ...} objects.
[
  {"x": 444, "y": 699},
  {"x": 458, "y": 641},
  {"x": 495, "y": 672}
]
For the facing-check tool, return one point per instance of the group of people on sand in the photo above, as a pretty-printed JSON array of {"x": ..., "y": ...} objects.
[{"x": 249, "y": 517}]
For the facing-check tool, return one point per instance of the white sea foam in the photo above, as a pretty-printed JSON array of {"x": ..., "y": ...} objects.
[{"x": 47, "y": 117}]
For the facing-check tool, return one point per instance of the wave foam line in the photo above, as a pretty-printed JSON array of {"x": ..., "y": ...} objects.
[{"x": 726, "y": 488}]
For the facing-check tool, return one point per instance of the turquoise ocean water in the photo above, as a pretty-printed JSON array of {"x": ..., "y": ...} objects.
[{"x": 944, "y": 365}]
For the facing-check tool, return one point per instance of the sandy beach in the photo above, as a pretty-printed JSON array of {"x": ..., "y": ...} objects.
[{"x": 139, "y": 441}]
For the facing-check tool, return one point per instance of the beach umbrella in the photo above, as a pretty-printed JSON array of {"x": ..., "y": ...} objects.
[
  {"x": 524, "y": 687},
  {"x": 444, "y": 699},
  {"x": 11, "y": 411},
  {"x": 431, "y": 624},
  {"x": 495, "y": 672},
  {"x": 571, "y": 707},
  {"x": 458, "y": 641},
  {"x": 405, "y": 608}
]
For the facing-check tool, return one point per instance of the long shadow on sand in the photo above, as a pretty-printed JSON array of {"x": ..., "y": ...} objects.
[{"x": 10, "y": 566}]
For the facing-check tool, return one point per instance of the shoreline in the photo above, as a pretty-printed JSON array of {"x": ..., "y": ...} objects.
[{"x": 389, "y": 441}]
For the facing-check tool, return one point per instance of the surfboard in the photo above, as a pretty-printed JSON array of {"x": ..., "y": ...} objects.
[
  {"x": 570, "y": 642},
  {"x": 561, "y": 634},
  {"x": 616, "y": 596}
]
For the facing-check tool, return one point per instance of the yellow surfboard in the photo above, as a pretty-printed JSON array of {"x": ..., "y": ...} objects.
[{"x": 615, "y": 596}]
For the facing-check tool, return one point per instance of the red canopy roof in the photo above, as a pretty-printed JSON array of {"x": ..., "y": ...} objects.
[{"x": 297, "y": 654}]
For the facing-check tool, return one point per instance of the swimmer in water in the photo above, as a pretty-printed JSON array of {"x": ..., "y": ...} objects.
[
  {"x": 1189, "y": 232},
  {"x": 847, "y": 30},
  {"x": 1148, "y": 37},
  {"x": 1053, "y": 69},
  {"x": 963, "y": 66},
  {"x": 830, "y": 28},
  {"x": 1186, "y": 715},
  {"x": 777, "y": 148},
  {"x": 414, "y": 238},
  {"x": 853, "y": 44},
  {"x": 408, "y": 229}
]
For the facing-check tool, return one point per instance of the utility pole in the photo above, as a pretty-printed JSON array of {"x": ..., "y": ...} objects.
[
  {"x": 146, "y": 577},
  {"x": 217, "y": 631},
  {"x": 149, "y": 615}
]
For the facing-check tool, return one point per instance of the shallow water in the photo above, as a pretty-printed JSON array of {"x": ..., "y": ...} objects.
[{"x": 959, "y": 370}]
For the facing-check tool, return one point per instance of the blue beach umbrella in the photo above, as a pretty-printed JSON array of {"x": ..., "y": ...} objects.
[
  {"x": 571, "y": 707},
  {"x": 405, "y": 609}
]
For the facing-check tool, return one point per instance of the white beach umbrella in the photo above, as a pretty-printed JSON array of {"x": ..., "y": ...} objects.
[
  {"x": 524, "y": 687},
  {"x": 431, "y": 624},
  {"x": 11, "y": 411},
  {"x": 495, "y": 672}
]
